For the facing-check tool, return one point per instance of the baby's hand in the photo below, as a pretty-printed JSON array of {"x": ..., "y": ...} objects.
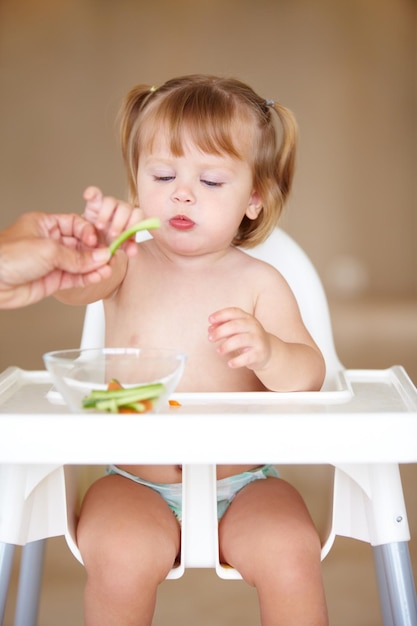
[
  {"x": 110, "y": 216},
  {"x": 240, "y": 337}
]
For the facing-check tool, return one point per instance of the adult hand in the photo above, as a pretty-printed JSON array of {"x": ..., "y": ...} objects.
[{"x": 43, "y": 253}]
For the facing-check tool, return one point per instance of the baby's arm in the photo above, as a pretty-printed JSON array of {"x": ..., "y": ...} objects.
[
  {"x": 110, "y": 217},
  {"x": 273, "y": 341}
]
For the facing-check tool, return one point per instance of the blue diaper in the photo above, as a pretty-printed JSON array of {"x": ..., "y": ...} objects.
[{"x": 227, "y": 488}]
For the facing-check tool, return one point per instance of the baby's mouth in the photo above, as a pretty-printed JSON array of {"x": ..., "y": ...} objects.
[{"x": 181, "y": 222}]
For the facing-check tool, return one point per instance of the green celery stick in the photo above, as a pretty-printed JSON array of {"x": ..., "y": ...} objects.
[
  {"x": 148, "y": 224},
  {"x": 113, "y": 406},
  {"x": 129, "y": 394},
  {"x": 110, "y": 400},
  {"x": 142, "y": 390},
  {"x": 106, "y": 405}
]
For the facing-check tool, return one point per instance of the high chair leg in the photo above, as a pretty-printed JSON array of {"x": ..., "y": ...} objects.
[
  {"x": 30, "y": 580},
  {"x": 6, "y": 562},
  {"x": 396, "y": 584}
]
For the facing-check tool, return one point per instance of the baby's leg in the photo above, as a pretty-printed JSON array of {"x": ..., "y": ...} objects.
[
  {"x": 129, "y": 539},
  {"x": 267, "y": 534}
]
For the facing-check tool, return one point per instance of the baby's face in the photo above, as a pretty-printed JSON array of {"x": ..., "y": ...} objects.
[{"x": 200, "y": 198}]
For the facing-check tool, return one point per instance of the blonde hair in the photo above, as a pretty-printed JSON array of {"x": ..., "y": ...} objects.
[{"x": 208, "y": 108}]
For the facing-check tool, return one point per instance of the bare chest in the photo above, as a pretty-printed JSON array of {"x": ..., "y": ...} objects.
[{"x": 173, "y": 311}]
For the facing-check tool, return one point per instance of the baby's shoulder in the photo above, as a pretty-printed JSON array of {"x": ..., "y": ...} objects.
[
  {"x": 266, "y": 281},
  {"x": 259, "y": 267}
]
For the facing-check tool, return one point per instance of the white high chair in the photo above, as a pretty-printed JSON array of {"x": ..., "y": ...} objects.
[
  {"x": 199, "y": 543},
  {"x": 358, "y": 509}
]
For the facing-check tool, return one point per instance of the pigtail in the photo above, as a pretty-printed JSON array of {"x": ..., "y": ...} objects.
[
  {"x": 285, "y": 159},
  {"x": 274, "y": 167},
  {"x": 129, "y": 114}
]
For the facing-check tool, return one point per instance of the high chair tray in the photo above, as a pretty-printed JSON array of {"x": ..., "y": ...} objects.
[{"x": 370, "y": 416}]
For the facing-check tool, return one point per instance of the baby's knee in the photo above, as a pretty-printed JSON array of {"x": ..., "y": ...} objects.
[
  {"x": 294, "y": 544},
  {"x": 134, "y": 555},
  {"x": 285, "y": 553}
]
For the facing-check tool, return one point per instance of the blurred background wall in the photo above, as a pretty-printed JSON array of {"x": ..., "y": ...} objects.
[{"x": 347, "y": 69}]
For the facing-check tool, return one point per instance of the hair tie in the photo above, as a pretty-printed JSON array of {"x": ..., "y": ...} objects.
[
  {"x": 269, "y": 103},
  {"x": 153, "y": 88}
]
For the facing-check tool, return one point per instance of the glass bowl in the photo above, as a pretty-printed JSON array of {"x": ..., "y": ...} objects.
[{"x": 115, "y": 380}]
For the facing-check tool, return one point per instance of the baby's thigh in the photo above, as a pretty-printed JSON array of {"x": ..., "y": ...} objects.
[
  {"x": 121, "y": 520},
  {"x": 266, "y": 517}
]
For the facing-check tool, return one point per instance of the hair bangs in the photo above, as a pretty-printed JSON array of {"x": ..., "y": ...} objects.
[{"x": 205, "y": 119}]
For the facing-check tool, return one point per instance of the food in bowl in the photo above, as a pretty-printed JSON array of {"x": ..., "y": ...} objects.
[
  {"x": 119, "y": 399},
  {"x": 115, "y": 379}
]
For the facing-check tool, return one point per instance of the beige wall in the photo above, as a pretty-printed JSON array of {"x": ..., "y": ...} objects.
[{"x": 346, "y": 68}]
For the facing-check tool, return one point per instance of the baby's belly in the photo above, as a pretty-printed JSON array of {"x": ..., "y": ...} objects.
[{"x": 173, "y": 473}]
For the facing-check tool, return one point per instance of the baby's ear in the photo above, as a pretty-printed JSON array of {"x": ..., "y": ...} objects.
[{"x": 254, "y": 206}]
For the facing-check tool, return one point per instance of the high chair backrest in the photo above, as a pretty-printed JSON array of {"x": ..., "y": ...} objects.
[{"x": 281, "y": 251}]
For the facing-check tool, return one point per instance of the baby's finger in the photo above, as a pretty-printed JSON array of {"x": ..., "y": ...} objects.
[
  {"x": 93, "y": 194},
  {"x": 223, "y": 315},
  {"x": 93, "y": 197},
  {"x": 217, "y": 332},
  {"x": 121, "y": 217},
  {"x": 107, "y": 217},
  {"x": 243, "y": 359},
  {"x": 234, "y": 343}
]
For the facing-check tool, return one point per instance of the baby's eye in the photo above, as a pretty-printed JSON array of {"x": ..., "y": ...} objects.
[
  {"x": 164, "y": 179},
  {"x": 211, "y": 183}
]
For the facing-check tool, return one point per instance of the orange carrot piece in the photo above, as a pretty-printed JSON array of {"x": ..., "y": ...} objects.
[
  {"x": 148, "y": 404},
  {"x": 174, "y": 403},
  {"x": 113, "y": 385}
]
